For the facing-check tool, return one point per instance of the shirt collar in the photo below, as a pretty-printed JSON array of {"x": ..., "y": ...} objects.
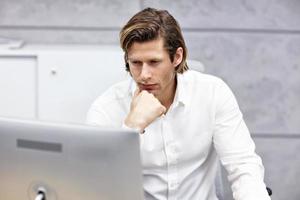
[
  {"x": 181, "y": 96},
  {"x": 181, "y": 89}
]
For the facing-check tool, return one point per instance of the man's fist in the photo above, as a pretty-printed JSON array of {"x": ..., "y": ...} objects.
[{"x": 144, "y": 109}]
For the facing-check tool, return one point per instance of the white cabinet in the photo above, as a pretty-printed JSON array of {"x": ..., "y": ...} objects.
[
  {"x": 57, "y": 83},
  {"x": 18, "y": 86}
]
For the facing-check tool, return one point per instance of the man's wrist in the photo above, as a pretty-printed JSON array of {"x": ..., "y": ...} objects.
[{"x": 127, "y": 124}]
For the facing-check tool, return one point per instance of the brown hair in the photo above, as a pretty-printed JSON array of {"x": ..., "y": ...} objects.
[{"x": 149, "y": 24}]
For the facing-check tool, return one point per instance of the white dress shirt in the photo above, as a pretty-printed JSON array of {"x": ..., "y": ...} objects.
[{"x": 180, "y": 150}]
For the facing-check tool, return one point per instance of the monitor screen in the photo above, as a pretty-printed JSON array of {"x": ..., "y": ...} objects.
[{"x": 68, "y": 162}]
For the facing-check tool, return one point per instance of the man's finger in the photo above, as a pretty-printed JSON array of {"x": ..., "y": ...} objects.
[
  {"x": 163, "y": 110},
  {"x": 136, "y": 92}
]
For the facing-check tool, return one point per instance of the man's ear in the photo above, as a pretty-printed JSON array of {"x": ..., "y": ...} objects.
[
  {"x": 128, "y": 68},
  {"x": 178, "y": 56}
]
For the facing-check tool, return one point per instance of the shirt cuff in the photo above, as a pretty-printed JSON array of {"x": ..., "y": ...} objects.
[{"x": 124, "y": 126}]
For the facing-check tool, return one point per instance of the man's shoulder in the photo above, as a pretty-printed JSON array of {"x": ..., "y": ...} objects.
[
  {"x": 195, "y": 77},
  {"x": 117, "y": 92}
]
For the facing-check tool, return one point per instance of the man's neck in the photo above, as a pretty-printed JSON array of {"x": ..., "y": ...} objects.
[{"x": 168, "y": 97}]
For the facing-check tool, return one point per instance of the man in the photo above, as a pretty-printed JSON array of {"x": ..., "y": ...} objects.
[{"x": 187, "y": 119}]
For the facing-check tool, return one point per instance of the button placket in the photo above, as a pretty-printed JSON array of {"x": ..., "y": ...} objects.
[{"x": 171, "y": 156}]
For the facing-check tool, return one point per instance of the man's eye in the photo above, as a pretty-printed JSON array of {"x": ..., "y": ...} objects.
[
  {"x": 136, "y": 62},
  {"x": 153, "y": 62}
]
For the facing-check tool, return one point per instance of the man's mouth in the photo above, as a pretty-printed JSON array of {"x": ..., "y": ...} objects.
[{"x": 147, "y": 87}]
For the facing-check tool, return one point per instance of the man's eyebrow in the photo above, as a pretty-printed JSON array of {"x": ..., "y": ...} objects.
[
  {"x": 156, "y": 59},
  {"x": 133, "y": 59}
]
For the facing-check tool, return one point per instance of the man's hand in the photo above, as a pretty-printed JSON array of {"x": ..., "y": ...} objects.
[{"x": 144, "y": 109}]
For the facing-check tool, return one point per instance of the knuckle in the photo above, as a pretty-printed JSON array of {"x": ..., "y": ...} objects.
[{"x": 162, "y": 109}]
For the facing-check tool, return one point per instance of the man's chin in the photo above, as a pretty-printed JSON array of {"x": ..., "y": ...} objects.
[{"x": 152, "y": 92}]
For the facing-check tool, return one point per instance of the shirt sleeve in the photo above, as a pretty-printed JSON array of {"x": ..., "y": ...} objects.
[
  {"x": 97, "y": 117},
  {"x": 236, "y": 149}
]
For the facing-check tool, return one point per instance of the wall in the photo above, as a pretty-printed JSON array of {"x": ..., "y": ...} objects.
[{"x": 254, "y": 45}]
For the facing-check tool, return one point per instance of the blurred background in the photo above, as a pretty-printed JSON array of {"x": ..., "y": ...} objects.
[{"x": 254, "y": 45}]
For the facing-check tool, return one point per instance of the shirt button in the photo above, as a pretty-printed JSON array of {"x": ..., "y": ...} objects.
[
  {"x": 173, "y": 185},
  {"x": 173, "y": 161}
]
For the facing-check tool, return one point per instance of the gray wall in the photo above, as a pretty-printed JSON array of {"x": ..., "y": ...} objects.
[{"x": 254, "y": 45}]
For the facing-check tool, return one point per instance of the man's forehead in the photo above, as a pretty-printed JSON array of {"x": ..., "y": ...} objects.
[
  {"x": 145, "y": 56},
  {"x": 157, "y": 42},
  {"x": 151, "y": 49}
]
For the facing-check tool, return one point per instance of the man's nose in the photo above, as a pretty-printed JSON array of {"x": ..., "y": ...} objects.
[{"x": 146, "y": 72}]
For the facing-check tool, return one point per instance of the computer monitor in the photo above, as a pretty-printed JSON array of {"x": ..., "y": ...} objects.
[{"x": 68, "y": 162}]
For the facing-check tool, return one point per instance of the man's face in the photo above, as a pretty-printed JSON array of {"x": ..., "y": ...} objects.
[{"x": 152, "y": 69}]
